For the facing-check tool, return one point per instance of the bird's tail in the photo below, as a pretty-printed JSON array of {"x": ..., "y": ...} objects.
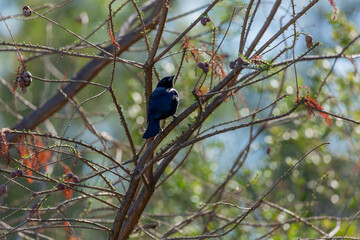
[{"x": 152, "y": 130}]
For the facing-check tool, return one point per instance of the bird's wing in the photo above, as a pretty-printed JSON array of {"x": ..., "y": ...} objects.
[{"x": 158, "y": 103}]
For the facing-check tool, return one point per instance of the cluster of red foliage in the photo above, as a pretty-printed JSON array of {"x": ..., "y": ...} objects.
[
  {"x": 217, "y": 63},
  {"x": 34, "y": 158},
  {"x": 312, "y": 105},
  {"x": 27, "y": 160},
  {"x": 190, "y": 48}
]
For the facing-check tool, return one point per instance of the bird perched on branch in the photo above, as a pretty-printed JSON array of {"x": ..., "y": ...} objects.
[{"x": 163, "y": 103}]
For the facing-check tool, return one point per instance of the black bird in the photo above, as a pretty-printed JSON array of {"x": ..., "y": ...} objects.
[{"x": 163, "y": 103}]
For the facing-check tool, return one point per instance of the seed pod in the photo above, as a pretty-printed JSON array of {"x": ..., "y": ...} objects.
[
  {"x": 206, "y": 67},
  {"x": 268, "y": 150},
  {"x": 203, "y": 22},
  {"x": 69, "y": 175},
  {"x": 60, "y": 186},
  {"x": 18, "y": 173},
  {"x": 309, "y": 41},
  {"x": 76, "y": 179},
  {"x": 24, "y": 79},
  {"x": 201, "y": 65},
  {"x": 232, "y": 65},
  {"x": 3, "y": 189},
  {"x": 26, "y": 11}
]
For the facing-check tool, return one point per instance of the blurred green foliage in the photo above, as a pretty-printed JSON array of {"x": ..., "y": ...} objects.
[{"x": 324, "y": 184}]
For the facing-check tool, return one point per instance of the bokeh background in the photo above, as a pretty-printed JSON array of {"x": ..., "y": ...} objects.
[{"x": 325, "y": 184}]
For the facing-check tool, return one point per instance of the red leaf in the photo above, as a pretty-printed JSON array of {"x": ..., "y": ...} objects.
[
  {"x": 27, "y": 162},
  {"x": 112, "y": 38},
  {"x": 67, "y": 193},
  {"x": 193, "y": 51},
  {"x": 312, "y": 105},
  {"x": 43, "y": 155},
  {"x": 67, "y": 229},
  {"x": 25, "y": 156}
]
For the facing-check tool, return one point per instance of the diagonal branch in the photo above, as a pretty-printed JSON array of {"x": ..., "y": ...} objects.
[
  {"x": 264, "y": 27},
  {"x": 87, "y": 73}
]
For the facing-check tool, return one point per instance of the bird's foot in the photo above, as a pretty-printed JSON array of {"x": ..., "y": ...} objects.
[{"x": 174, "y": 117}]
